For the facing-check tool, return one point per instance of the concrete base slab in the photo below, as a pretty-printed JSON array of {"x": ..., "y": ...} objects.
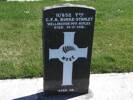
[{"x": 102, "y": 87}]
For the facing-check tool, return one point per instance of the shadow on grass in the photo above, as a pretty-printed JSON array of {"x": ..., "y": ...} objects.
[{"x": 42, "y": 96}]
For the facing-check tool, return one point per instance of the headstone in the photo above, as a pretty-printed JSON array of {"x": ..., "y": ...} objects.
[{"x": 67, "y": 41}]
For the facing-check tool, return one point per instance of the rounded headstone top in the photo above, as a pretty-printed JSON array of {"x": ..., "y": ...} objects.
[{"x": 69, "y": 5}]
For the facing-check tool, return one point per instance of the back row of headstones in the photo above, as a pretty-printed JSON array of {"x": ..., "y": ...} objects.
[{"x": 67, "y": 41}]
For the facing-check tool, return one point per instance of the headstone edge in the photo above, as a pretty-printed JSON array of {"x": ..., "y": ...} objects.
[{"x": 68, "y": 5}]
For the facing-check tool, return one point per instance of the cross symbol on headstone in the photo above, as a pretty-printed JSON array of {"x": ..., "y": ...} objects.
[{"x": 67, "y": 54}]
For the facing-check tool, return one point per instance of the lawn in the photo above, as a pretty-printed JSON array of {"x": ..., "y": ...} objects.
[{"x": 21, "y": 37}]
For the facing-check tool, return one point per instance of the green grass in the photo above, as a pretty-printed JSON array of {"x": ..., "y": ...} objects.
[{"x": 21, "y": 42}]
